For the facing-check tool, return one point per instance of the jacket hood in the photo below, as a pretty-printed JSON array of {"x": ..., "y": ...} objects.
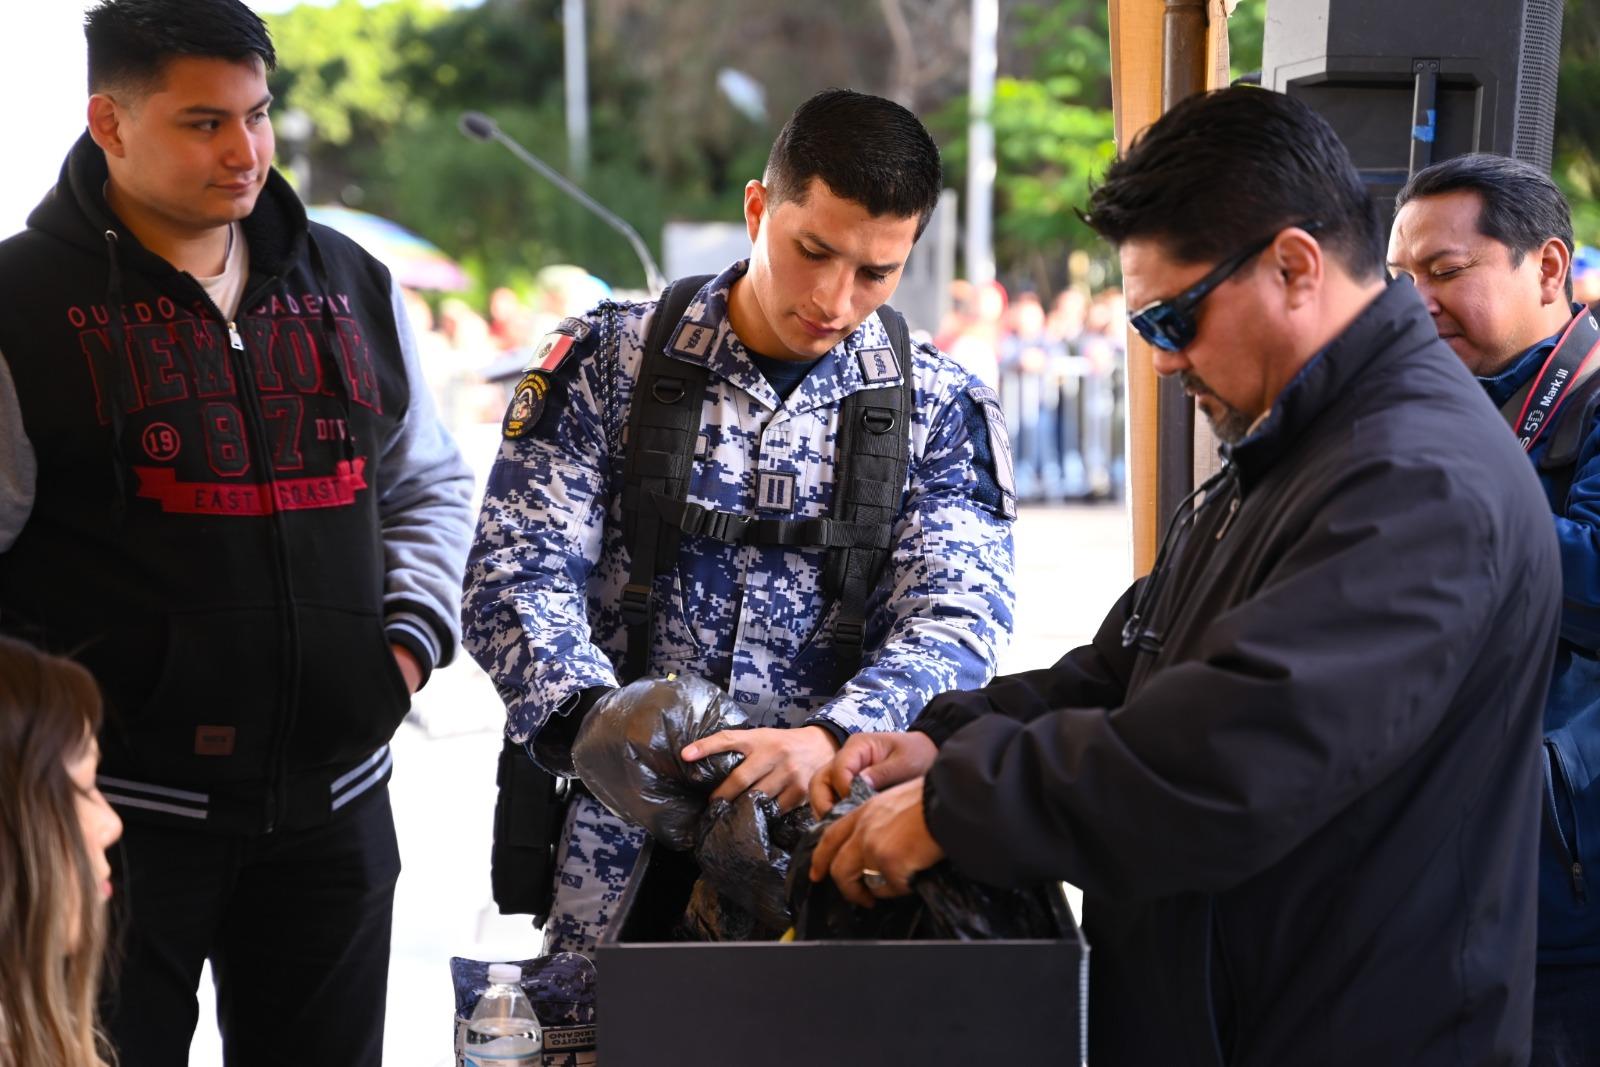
[
  {"x": 1395, "y": 320},
  {"x": 76, "y": 211}
]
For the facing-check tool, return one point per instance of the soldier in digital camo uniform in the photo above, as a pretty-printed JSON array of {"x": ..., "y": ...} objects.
[{"x": 786, "y": 337}]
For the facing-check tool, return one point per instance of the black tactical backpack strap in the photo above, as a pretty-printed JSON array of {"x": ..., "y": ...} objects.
[
  {"x": 663, "y": 425},
  {"x": 870, "y": 463}
]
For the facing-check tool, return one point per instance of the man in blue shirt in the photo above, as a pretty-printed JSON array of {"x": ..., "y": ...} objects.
[{"x": 1488, "y": 242}]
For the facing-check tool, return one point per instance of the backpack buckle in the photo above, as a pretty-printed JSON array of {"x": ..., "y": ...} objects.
[
  {"x": 636, "y": 603},
  {"x": 725, "y": 526},
  {"x": 849, "y": 633}
]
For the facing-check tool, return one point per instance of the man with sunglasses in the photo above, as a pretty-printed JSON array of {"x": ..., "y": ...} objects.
[
  {"x": 1296, "y": 773},
  {"x": 1488, "y": 243}
]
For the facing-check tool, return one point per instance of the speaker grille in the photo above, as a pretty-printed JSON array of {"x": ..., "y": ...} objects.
[{"x": 1536, "y": 76}]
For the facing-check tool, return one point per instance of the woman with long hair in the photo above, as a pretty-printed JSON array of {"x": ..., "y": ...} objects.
[{"x": 55, "y": 828}]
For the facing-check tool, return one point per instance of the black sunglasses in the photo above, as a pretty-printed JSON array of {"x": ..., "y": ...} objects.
[{"x": 1170, "y": 324}]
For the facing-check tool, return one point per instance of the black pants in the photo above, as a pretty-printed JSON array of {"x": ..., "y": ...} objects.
[{"x": 296, "y": 925}]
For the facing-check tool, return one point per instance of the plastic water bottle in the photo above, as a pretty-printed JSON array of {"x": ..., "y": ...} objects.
[{"x": 503, "y": 1031}]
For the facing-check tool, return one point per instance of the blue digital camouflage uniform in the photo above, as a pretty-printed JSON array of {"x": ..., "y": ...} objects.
[{"x": 542, "y": 605}]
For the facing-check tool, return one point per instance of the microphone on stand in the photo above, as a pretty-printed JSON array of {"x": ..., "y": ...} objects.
[{"x": 480, "y": 127}]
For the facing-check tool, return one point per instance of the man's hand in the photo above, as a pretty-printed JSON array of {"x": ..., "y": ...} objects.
[
  {"x": 888, "y": 835},
  {"x": 777, "y": 762},
  {"x": 882, "y": 760},
  {"x": 410, "y": 669}
]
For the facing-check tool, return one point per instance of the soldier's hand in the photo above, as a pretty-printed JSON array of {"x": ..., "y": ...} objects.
[
  {"x": 777, "y": 762},
  {"x": 882, "y": 760}
]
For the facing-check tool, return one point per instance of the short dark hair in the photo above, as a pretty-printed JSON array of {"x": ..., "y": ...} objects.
[
  {"x": 1521, "y": 206},
  {"x": 1225, "y": 168},
  {"x": 131, "y": 41},
  {"x": 864, "y": 148}
]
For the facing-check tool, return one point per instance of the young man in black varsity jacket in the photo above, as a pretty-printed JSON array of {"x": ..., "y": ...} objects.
[{"x": 224, "y": 489}]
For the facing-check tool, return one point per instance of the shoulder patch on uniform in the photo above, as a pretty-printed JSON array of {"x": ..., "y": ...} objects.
[
  {"x": 878, "y": 365},
  {"x": 998, "y": 449},
  {"x": 693, "y": 339},
  {"x": 527, "y": 404},
  {"x": 551, "y": 352},
  {"x": 574, "y": 328}
]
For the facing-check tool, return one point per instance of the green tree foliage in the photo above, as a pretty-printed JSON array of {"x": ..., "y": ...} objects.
[
  {"x": 1577, "y": 158},
  {"x": 1247, "y": 26},
  {"x": 348, "y": 66},
  {"x": 385, "y": 84},
  {"x": 1053, "y": 135}
]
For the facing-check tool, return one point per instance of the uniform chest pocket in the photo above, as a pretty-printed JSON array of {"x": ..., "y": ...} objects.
[{"x": 675, "y": 647}]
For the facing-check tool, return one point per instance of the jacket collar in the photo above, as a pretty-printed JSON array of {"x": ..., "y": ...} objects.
[
  {"x": 1501, "y": 387},
  {"x": 863, "y": 360},
  {"x": 76, "y": 211},
  {"x": 1396, "y": 319}
]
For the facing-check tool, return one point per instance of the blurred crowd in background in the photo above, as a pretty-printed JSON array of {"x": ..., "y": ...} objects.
[{"x": 1059, "y": 366}]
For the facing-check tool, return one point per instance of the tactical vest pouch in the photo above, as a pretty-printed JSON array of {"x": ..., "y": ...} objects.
[{"x": 529, "y": 812}]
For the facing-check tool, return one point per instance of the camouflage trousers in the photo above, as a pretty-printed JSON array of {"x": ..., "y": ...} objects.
[{"x": 597, "y": 853}]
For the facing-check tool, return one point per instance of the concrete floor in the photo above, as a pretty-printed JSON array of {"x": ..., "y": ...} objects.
[{"x": 1073, "y": 562}]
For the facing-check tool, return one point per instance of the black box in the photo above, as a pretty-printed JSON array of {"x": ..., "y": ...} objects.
[{"x": 801, "y": 1004}]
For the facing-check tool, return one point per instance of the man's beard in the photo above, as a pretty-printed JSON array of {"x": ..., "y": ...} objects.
[{"x": 1232, "y": 425}]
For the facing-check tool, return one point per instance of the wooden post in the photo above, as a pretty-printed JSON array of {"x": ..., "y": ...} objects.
[
  {"x": 1136, "y": 32},
  {"x": 1161, "y": 52}
]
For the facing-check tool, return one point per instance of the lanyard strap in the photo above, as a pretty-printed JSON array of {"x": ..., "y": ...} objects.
[{"x": 1573, "y": 359}]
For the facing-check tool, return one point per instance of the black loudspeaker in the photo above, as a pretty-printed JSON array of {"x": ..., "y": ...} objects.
[{"x": 1406, "y": 83}]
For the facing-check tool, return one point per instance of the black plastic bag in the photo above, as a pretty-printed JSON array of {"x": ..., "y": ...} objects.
[
  {"x": 744, "y": 855},
  {"x": 943, "y": 905},
  {"x": 626, "y": 753},
  {"x": 711, "y": 916}
]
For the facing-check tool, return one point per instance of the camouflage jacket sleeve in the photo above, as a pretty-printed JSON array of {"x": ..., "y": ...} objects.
[
  {"x": 524, "y": 608},
  {"x": 948, "y": 605}
]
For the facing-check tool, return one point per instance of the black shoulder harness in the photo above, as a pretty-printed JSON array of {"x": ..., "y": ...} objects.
[{"x": 873, "y": 454}]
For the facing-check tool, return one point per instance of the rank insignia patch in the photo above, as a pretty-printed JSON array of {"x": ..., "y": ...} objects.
[
  {"x": 527, "y": 404},
  {"x": 775, "y": 491},
  {"x": 693, "y": 340},
  {"x": 878, "y": 365}
]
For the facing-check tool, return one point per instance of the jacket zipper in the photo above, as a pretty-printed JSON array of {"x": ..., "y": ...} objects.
[
  {"x": 1574, "y": 863},
  {"x": 277, "y": 799},
  {"x": 1227, "y": 520}
]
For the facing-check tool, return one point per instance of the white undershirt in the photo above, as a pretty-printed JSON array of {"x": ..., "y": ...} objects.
[{"x": 227, "y": 289}]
